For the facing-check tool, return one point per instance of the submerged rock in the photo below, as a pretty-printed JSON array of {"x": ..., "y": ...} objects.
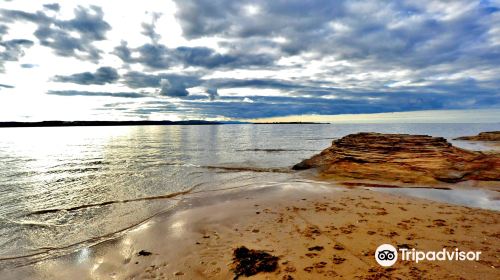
[
  {"x": 483, "y": 136},
  {"x": 247, "y": 262},
  {"x": 402, "y": 157}
]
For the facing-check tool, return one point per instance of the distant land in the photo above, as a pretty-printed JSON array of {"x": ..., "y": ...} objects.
[
  {"x": 103, "y": 123},
  {"x": 138, "y": 123},
  {"x": 290, "y": 123}
]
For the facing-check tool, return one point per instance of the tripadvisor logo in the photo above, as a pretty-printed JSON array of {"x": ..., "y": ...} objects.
[{"x": 387, "y": 255}]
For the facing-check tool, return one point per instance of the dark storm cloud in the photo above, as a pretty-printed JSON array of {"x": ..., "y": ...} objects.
[
  {"x": 12, "y": 50},
  {"x": 255, "y": 83},
  {"x": 212, "y": 93},
  {"x": 381, "y": 102},
  {"x": 136, "y": 79},
  {"x": 158, "y": 56},
  {"x": 168, "y": 84},
  {"x": 399, "y": 33},
  {"x": 149, "y": 29},
  {"x": 5, "y": 86},
  {"x": 147, "y": 107},
  {"x": 29, "y": 65},
  {"x": 208, "y": 58},
  {"x": 446, "y": 52},
  {"x": 91, "y": 93},
  {"x": 65, "y": 45},
  {"x": 123, "y": 52},
  {"x": 13, "y": 15},
  {"x": 200, "y": 18},
  {"x": 322, "y": 57},
  {"x": 457, "y": 94},
  {"x": 174, "y": 90},
  {"x": 3, "y": 29},
  {"x": 13, "y": 47},
  {"x": 103, "y": 75},
  {"x": 151, "y": 55},
  {"x": 313, "y": 99},
  {"x": 307, "y": 98},
  {"x": 55, "y": 33},
  {"x": 258, "y": 106},
  {"x": 88, "y": 22},
  {"x": 54, "y": 7}
]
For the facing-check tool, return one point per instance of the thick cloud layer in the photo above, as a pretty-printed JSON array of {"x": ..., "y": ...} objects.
[
  {"x": 402, "y": 33},
  {"x": 5, "y": 86},
  {"x": 157, "y": 56},
  {"x": 169, "y": 84},
  {"x": 12, "y": 50},
  {"x": 93, "y": 93},
  {"x": 251, "y": 59},
  {"x": 55, "y": 33},
  {"x": 103, "y": 75},
  {"x": 172, "y": 90},
  {"x": 212, "y": 93},
  {"x": 54, "y": 7}
]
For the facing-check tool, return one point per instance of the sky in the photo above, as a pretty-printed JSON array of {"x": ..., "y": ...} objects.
[{"x": 240, "y": 60}]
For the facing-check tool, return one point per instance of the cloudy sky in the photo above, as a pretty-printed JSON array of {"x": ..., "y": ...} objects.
[{"x": 226, "y": 59}]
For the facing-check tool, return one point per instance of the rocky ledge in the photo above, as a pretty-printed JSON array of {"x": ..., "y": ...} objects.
[
  {"x": 483, "y": 136},
  {"x": 404, "y": 158}
]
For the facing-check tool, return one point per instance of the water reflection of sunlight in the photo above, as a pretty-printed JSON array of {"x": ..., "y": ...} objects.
[
  {"x": 49, "y": 145},
  {"x": 39, "y": 150},
  {"x": 83, "y": 255},
  {"x": 52, "y": 167},
  {"x": 178, "y": 228},
  {"x": 126, "y": 247},
  {"x": 141, "y": 227},
  {"x": 93, "y": 270}
]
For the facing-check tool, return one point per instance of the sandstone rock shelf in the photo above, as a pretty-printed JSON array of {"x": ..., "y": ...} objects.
[
  {"x": 483, "y": 136},
  {"x": 403, "y": 158}
]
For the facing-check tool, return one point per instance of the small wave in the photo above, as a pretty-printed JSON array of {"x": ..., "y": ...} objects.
[
  {"x": 32, "y": 223},
  {"x": 315, "y": 139},
  {"x": 80, "y": 170},
  {"x": 374, "y": 185},
  {"x": 250, "y": 169},
  {"x": 88, "y": 162},
  {"x": 42, "y": 253},
  {"x": 178, "y": 164},
  {"x": 274, "y": 150},
  {"x": 170, "y": 195}
]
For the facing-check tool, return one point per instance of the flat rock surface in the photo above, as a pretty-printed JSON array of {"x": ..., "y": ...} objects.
[
  {"x": 483, "y": 136},
  {"x": 403, "y": 158}
]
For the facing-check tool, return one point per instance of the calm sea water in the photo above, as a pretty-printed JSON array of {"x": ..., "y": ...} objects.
[{"x": 64, "y": 188}]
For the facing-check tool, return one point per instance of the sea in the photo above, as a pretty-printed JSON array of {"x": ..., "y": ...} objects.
[{"x": 65, "y": 188}]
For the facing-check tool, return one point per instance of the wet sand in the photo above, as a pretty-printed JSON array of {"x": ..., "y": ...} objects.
[{"x": 318, "y": 233}]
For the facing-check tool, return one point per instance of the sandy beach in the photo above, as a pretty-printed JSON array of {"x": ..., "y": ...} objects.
[{"x": 321, "y": 233}]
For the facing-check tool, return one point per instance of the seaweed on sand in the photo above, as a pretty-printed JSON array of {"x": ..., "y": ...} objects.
[{"x": 248, "y": 262}]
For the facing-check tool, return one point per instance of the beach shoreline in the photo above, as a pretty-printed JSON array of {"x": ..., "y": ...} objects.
[
  {"x": 317, "y": 233},
  {"x": 311, "y": 225}
]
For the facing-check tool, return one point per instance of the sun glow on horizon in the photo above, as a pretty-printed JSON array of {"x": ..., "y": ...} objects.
[{"x": 430, "y": 116}]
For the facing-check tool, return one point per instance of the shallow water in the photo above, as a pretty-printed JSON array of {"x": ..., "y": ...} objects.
[
  {"x": 479, "y": 198},
  {"x": 63, "y": 188}
]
